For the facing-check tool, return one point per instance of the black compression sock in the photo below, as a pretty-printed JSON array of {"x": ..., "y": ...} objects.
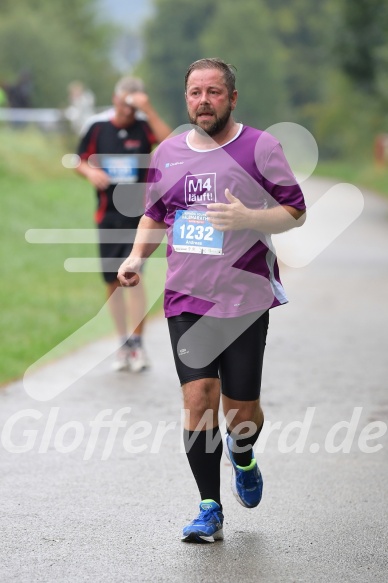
[
  {"x": 243, "y": 458},
  {"x": 204, "y": 451}
]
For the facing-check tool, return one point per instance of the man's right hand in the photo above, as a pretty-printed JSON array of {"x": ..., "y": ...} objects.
[{"x": 128, "y": 272}]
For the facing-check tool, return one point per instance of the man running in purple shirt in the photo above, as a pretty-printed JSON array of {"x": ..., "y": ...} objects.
[{"x": 219, "y": 190}]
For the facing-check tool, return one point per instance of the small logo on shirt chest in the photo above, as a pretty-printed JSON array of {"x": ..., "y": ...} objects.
[{"x": 132, "y": 144}]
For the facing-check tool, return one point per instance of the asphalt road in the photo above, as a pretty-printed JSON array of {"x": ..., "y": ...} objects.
[{"x": 80, "y": 503}]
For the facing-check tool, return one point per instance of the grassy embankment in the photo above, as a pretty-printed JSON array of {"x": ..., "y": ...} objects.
[{"x": 42, "y": 304}]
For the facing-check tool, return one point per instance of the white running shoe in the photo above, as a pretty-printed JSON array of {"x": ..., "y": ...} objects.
[
  {"x": 137, "y": 359},
  {"x": 122, "y": 359}
]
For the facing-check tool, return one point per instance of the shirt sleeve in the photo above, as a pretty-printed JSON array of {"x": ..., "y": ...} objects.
[
  {"x": 88, "y": 143},
  {"x": 280, "y": 182},
  {"x": 155, "y": 208}
]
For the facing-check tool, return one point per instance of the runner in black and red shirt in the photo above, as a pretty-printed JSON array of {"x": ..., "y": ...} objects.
[{"x": 113, "y": 156}]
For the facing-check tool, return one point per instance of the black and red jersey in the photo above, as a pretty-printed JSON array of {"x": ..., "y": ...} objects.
[{"x": 117, "y": 150}]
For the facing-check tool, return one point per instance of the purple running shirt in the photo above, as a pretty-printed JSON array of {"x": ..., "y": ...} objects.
[{"x": 219, "y": 274}]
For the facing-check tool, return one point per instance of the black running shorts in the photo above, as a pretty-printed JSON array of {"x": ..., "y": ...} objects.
[
  {"x": 231, "y": 349},
  {"x": 115, "y": 242}
]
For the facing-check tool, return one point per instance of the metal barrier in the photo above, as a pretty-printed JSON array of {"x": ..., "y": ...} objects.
[
  {"x": 48, "y": 119},
  {"x": 31, "y": 115}
]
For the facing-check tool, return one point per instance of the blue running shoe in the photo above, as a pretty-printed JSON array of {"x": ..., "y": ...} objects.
[
  {"x": 207, "y": 527},
  {"x": 247, "y": 482}
]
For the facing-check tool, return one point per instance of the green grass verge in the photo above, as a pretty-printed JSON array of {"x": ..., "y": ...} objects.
[
  {"x": 41, "y": 303},
  {"x": 363, "y": 174}
]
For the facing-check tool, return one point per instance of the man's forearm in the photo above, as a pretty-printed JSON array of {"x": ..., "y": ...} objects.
[
  {"x": 275, "y": 220},
  {"x": 83, "y": 168},
  {"x": 160, "y": 129},
  {"x": 234, "y": 215},
  {"x": 148, "y": 237}
]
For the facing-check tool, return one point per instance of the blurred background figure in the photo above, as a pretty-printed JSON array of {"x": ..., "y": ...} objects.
[
  {"x": 116, "y": 141},
  {"x": 136, "y": 85},
  {"x": 19, "y": 93},
  {"x": 81, "y": 105}
]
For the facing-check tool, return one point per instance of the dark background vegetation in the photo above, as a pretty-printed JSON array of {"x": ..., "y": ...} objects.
[{"x": 321, "y": 63}]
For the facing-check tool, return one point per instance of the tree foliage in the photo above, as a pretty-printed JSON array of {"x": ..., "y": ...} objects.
[
  {"x": 55, "y": 42},
  {"x": 322, "y": 63},
  {"x": 365, "y": 32},
  {"x": 182, "y": 32}
]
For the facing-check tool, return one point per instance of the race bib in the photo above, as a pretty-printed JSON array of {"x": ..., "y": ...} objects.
[
  {"x": 193, "y": 233},
  {"x": 121, "y": 168}
]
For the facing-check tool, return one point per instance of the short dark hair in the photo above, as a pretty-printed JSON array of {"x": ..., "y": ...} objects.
[{"x": 215, "y": 63}]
